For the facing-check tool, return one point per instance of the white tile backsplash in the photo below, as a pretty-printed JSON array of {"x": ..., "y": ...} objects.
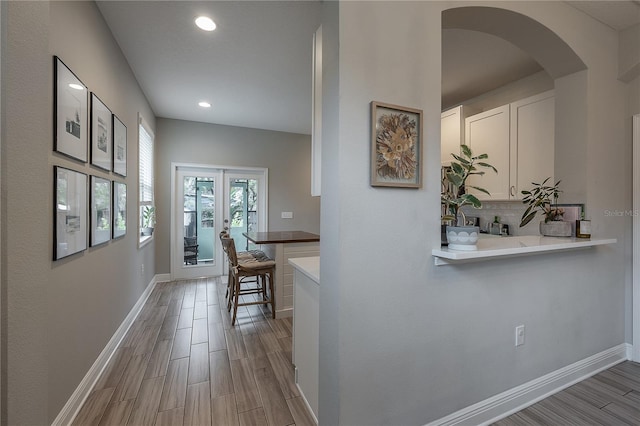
[{"x": 508, "y": 212}]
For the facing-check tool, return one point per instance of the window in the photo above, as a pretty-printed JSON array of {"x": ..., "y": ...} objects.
[{"x": 145, "y": 156}]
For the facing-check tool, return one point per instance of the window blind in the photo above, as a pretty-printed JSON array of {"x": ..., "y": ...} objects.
[{"x": 146, "y": 165}]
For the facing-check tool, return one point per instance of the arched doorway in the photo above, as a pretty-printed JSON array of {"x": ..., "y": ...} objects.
[{"x": 562, "y": 69}]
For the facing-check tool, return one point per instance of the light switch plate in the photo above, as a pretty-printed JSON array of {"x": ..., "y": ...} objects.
[{"x": 286, "y": 215}]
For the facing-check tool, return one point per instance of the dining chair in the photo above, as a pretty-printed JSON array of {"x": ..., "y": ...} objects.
[
  {"x": 252, "y": 265},
  {"x": 242, "y": 255}
]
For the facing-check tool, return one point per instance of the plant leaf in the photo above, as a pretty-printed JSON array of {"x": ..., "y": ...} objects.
[
  {"x": 488, "y": 166},
  {"x": 480, "y": 189},
  {"x": 471, "y": 199},
  {"x": 527, "y": 219}
]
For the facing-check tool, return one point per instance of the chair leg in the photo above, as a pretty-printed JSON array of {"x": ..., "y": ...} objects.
[
  {"x": 236, "y": 295},
  {"x": 263, "y": 286},
  {"x": 230, "y": 291},
  {"x": 272, "y": 295}
]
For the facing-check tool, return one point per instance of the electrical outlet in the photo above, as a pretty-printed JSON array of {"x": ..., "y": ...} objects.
[
  {"x": 142, "y": 269},
  {"x": 520, "y": 335}
]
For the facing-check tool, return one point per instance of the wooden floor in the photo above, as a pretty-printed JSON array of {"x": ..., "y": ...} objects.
[
  {"x": 610, "y": 398},
  {"x": 182, "y": 363}
]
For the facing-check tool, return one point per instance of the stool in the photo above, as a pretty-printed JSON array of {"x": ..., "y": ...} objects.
[{"x": 254, "y": 264}]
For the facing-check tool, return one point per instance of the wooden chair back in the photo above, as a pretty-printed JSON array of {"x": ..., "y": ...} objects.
[{"x": 229, "y": 248}]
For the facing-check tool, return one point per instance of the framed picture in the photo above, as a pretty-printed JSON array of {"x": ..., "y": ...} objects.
[
  {"x": 70, "y": 124},
  {"x": 100, "y": 210},
  {"x": 70, "y": 210},
  {"x": 119, "y": 147},
  {"x": 396, "y": 146},
  {"x": 101, "y": 134},
  {"x": 572, "y": 212},
  {"x": 119, "y": 209}
]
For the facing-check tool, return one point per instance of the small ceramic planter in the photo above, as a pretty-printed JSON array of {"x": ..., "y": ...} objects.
[
  {"x": 555, "y": 228},
  {"x": 463, "y": 238}
]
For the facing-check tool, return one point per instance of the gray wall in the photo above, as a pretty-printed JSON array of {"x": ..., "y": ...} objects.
[
  {"x": 286, "y": 155},
  {"x": 59, "y": 315},
  {"x": 403, "y": 341}
]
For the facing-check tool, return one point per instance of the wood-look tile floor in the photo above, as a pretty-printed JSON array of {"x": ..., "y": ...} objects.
[
  {"x": 610, "y": 398},
  {"x": 182, "y": 363}
]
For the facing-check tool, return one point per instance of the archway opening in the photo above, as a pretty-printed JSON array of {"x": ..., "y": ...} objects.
[{"x": 543, "y": 62}]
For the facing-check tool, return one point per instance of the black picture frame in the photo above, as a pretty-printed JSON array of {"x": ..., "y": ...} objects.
[
  {"x": 119, "y": 147},
  {"x": 70, "y": 110},
  {"x": 70, "y": 212},
  {"x": 101, "y": 134},
  {"x": 119, "y": 209},
  {"x": 100, "y": 210}
]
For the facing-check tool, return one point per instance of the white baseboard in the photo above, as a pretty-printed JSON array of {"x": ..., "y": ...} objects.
[
  {"x": 79, "y": 396},
  {"x": 284, "y": 313},
  {"x": 511, "y": 401},
  {"x": 162, "y": 278},
  {"x": 306, "y": 403}
]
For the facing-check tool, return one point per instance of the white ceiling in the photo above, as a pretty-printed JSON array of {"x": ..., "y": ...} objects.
[{"x": 255, "y": 68}]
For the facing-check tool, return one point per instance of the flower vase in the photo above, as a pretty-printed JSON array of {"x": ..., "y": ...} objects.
[
  {"x": 463, "y": 238},
  {"x": 555, "y": 228}
]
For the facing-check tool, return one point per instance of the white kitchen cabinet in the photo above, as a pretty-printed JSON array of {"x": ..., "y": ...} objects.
[
  {"x": 488, "y": 133},
  {"x": 532, "y": 142},
  {"x": 451, "y": 133},
  {"x": 519, "y": 139}
]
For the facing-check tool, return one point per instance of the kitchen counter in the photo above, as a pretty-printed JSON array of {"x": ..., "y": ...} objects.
[
  {"x": 281, "y": 246},
  {"x": 275, "y": 237},
  {"x": 492, "y": 248},
  {"x": 309, "y": 266}
]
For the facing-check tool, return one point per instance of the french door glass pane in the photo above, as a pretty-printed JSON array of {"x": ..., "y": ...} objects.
[
  {"x": 243, "y": 204},
  {"x": 199, "y": 219}
]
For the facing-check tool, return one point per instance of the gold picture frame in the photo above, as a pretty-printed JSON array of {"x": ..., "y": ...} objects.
[{"x": 396, "y": 146}]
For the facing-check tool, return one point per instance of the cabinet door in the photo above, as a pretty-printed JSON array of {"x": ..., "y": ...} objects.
[
  {"x": 532, "y": 142},
  {"x": 488, "y": 132},
  {"x": 451, "y": 131}
]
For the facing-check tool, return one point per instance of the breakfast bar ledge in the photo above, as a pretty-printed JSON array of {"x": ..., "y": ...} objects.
[{"x": 525, "y": 245}]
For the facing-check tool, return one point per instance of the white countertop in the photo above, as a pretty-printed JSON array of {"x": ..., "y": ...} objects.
[
  {"x": 489, "y": 248},
  {"x": 310, "y": 266}
]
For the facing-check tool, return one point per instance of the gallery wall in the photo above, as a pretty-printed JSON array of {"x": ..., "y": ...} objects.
[
  {"x": 287, "y": 156},
  {"x": 60, "y": 314}
]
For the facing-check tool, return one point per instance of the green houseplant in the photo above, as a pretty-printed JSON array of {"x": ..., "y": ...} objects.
[
  {"x": 148, "y": 219},
  {"x": 454, "y": 196},
  {"x": 543, "y": 199}
]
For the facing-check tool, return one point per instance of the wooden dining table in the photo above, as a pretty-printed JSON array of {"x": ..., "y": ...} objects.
[{"x": 282, "y": 246}]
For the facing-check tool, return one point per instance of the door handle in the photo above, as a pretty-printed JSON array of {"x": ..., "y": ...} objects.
[{"x": 512, "y": 191}]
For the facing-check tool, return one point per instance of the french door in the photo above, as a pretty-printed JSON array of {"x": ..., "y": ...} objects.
[{"x": 206, "y": 200}]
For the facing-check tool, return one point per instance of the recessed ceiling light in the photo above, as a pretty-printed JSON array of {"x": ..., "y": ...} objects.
[
  {"x": 204, "y": 104},
  {"x": 76, "y": 86},
  {"x": 205, "y": 23}
]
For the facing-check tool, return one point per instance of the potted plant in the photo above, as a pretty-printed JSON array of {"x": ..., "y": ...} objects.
[
  {"x": 543, "y": 198},
  {"x": 148, "y": 219},
  {"x": 454, "y": 196}
]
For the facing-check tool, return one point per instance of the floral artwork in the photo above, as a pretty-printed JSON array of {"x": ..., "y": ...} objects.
[{"x": 396, "y": 146}]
